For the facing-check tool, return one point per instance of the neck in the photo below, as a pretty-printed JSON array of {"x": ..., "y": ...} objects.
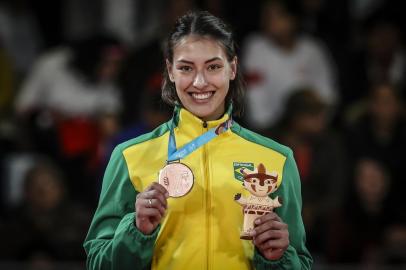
[
  {"x": 217, "y": 114},
  {"x": 212, "y": 117},
  {"x": 189, "y": 122}
]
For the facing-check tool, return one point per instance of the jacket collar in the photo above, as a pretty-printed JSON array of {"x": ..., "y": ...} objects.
[{"x": 193, "y": 125}]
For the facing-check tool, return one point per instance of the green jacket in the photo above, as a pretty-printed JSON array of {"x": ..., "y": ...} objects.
[{"x": 200, "y": 230}]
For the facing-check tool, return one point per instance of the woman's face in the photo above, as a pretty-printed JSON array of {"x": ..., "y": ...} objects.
[{"x": 202, "y": 74}]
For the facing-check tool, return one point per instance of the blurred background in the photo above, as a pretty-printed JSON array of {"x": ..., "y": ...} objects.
[{"x": 326, "y": 78}]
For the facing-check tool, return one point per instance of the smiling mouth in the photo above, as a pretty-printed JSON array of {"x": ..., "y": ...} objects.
[{"x": 202, "y": 96}]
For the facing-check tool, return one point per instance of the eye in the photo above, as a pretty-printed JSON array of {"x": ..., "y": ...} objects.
[
  {"x": 268, "y": 182},
  {"x": 185, "y": 68},
  {"x": 254, "y": 181},
  {"x": 214, "y": 67}
]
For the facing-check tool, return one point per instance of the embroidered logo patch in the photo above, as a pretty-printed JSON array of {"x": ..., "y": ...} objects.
[{"x": 238, "y": 166}]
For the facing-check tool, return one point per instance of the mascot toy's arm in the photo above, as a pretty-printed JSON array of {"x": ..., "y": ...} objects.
[{"x": 240, "y": 199}]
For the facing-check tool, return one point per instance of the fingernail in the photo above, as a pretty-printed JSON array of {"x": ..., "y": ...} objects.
[
  {"x": 167, "y": 195},
  {"x": 257, "y": 221},
  {"x": 253, "y": 233}
]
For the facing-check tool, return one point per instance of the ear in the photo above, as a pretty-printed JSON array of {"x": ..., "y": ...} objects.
[
  {"x": 169, "y": 69},
  {"x": 233, "y": 71}
]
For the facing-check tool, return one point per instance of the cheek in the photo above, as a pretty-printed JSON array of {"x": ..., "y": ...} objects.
[
  {"x": 182, "y": 84},
  {"x": 221, "y": 79}
]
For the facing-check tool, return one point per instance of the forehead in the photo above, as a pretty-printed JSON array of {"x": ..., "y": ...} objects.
[{"x": 198, "y": 48}]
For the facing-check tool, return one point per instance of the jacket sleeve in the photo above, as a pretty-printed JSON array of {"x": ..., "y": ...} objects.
[
  {"x": 296, "y": 256},
  {"x": 113, "y": 241}
]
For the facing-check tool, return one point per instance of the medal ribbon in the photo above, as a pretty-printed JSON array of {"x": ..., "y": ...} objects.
[{"x": 177, "y": 154}]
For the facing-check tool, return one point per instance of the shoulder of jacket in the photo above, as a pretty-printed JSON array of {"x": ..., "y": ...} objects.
[
  {"x": 261, "y": 140},
  {"x": 157, "y": 132}
]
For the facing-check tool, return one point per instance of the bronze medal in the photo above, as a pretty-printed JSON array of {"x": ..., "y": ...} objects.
[{"x": 177, "y": 178}]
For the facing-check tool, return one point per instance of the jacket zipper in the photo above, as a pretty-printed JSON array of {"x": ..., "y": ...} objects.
[{"x": 208, "y": 202}]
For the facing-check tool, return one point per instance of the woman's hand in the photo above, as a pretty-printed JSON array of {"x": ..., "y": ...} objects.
[
  {"x": 150, "y": 207},
  {"x": 271, "y": 236}
]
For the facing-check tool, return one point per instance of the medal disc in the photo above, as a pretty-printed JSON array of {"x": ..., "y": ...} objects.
[{"x": 177, "y": 178}]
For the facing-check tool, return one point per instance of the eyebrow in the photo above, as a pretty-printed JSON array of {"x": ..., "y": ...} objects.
[{"x": 207, "y": 61}]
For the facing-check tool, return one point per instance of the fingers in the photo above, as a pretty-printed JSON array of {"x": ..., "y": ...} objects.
[
  {"x": 268, "y": 217},
  {"x": 152, "y": 213},
  {"x": 154, "y": 197},
  {"x": 280, "y": 243},
  {"x": 270, "y": 221},
  {"x": 147, "y": 219},
  {"x": 273, "y": 254},
  {"x": 156, "y": 186},
  {"x": 271, "y": 236},
  {"x": 156, "y": 193},
  {"x": 143, "y": 204}
]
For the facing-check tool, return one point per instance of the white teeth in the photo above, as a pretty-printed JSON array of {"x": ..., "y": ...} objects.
[{"x": 201, "y": 96}]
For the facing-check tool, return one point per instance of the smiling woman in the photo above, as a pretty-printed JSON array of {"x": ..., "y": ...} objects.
[
  {"x": 202, "y": 74},
  {"x": 189, "y": 218},
  {"x": 202, "y": 47}
]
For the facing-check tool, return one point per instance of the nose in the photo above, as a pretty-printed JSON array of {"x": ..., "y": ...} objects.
[{"x": 199, "y": 81}]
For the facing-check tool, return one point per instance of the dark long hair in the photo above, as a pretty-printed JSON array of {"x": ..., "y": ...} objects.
[{"x": 204, "y": 24}]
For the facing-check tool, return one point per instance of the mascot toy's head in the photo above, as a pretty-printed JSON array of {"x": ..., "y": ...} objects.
[{"x": 259, "y": 182}]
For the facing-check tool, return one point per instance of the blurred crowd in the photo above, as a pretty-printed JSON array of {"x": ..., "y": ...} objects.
[{"x": 326, "y": 78}]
